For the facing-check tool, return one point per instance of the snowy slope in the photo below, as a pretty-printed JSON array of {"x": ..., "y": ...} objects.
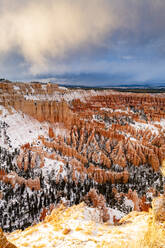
[
  {"x": 80, "y": 226},
  {"x": 21, "y": 128}
]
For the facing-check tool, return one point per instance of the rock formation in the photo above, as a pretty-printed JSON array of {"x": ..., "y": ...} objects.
[
  {"x": 108, "y": 141},
  {"x": 99, "y": 202},
  {"x": 4, "y": 242}
]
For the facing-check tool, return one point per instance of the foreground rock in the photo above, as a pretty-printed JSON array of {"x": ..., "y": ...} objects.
[
  {"x": 159, "y": 209},
  {"x": 4, "y": 242},
  {"x": 80, "y": 226}
]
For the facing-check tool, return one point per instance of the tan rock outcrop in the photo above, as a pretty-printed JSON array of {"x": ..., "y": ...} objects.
[{"x": 4, "y": 243}]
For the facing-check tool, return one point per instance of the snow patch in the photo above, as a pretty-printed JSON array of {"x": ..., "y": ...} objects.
[
  {"x": 55, "y": 165},
  {"x": 128, "y": 203},
  {"x": 21, "y": 128},
  {"x": 144, "y": 126}
]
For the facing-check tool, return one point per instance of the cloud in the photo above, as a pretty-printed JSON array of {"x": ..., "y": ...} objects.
[
  {"x": 42, "y": 29},
  {"x": 107, "y": 73},
  {"x": 46, "y": 36}
]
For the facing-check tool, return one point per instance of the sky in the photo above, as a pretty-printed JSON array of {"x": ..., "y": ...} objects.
[{"x": 87, "y": 42}]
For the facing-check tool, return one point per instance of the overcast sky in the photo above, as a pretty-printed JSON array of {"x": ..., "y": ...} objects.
[{"x": 90, "y": 42}]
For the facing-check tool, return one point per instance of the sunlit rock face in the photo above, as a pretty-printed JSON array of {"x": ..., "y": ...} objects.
[
  {"x": 82, "y": 226},
  {"x": 159, "y": 209},
  {"x": 58, "y": 144},
  {"x": 4, "y": 243}
]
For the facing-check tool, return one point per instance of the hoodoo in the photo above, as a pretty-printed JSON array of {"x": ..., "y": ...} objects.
[{"x": 58, "y": 145}]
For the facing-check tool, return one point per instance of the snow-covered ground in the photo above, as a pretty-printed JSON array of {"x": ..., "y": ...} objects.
[
  {"x": 57, "y": 167},
  {"x": 161, "y": 123},
  {"x": 21, "y": 128},
  {"x": 68, "y": 95},
  {"x": 80, "y": 226},
  {"x": 143, "y": 126}
]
